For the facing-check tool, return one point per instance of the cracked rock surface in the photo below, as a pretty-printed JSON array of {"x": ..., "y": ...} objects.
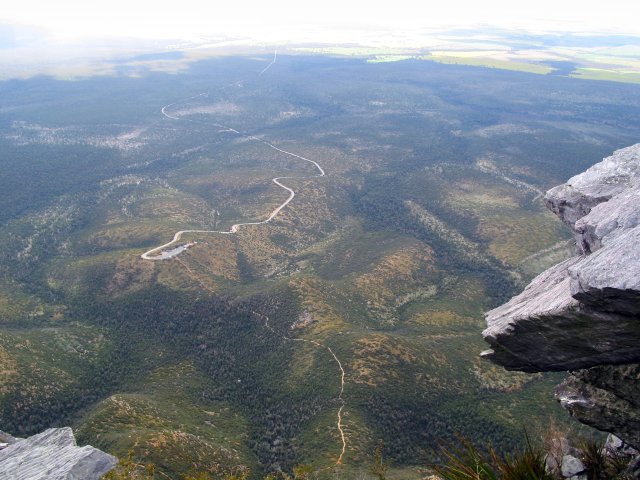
[
  {"x": 53, "y": 455},
  {"x": 585, "y": 311},
  {"x": 583, "y": 314}
]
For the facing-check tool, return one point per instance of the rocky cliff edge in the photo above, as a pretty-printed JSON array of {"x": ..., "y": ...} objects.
[
  {"x": 52, "y": 455},
  {"x": 583, "y": 314}
]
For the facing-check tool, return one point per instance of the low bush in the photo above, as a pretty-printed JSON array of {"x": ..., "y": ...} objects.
[{"x": 468, "y": 462}]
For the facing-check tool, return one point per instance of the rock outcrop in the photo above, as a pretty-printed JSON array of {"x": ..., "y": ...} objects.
[
  {"x": 6, "y": 439},
  {"x": 607, "y": 398},
  {"x": 52, "y": 455},
  {"x": 584, "y": 313}
]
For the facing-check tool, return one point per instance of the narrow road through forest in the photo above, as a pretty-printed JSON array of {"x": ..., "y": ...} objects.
[{"x": 161, "y": 253}]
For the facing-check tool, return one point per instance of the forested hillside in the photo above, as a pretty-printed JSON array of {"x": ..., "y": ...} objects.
[{"x": 231, "y": 354}]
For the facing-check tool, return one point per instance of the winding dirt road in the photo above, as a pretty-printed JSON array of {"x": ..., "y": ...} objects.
[
  {"x": 153, "y": 253},
  {"x": 161, "y": 252}
]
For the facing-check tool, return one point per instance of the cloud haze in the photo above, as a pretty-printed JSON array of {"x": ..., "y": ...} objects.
[{"x": 190, "y": 19}]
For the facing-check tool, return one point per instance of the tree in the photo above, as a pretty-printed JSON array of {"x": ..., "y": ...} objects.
[{"x": 379, "y": 466}]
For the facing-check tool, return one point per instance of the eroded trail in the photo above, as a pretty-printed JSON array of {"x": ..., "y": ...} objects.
[
  {"x": 161, "y": 253},
  {"x": 265, "y": 319},
  {"x": 342, "y": 375}
]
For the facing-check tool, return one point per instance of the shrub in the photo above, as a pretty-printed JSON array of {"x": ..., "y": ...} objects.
[
  {"x": 468, "y": 462},
  {"x": 603, "y": 466}
]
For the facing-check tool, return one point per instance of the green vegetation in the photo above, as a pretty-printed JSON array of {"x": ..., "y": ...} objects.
[
  {"x": 169, "y": 424},
  {"x": 353, "y": 51},
  {"x": 609, "y": 75},
  {"x": 602, "y": 465},
  {"x": 590, "y": 58},
  {"x": 453, "y": 59},
  {"x": 422, "y": 223},
  {"x": 468, "y": 462},
  {"x": 389, "y": 58},
  {"x": 379, "y": 467}
]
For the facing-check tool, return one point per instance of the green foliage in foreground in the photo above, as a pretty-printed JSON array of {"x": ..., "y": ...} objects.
[
  {"x": 603, "y": 466},
  {"x": 129, "y": 469},
  {"x": 468, "y": 462},
  {"x": 462, "y": 461},
  {"x": 379, "y": 467}
]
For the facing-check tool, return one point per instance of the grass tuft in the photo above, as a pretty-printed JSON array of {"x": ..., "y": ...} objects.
[{"x": 468, "y": 462}]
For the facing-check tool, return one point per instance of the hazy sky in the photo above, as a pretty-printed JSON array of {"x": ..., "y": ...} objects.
[{"x": 192, "y": 18}]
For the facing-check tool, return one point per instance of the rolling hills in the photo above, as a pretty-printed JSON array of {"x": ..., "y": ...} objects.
[{"x": 423, "y": 221}]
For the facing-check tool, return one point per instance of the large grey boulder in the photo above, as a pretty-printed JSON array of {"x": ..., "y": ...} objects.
[
  {"x": 53, "y": 455},
  {"x": 616, "y": 447},
  {"x": 585, "y": 311},
  {"x": 571, "y": 466}
]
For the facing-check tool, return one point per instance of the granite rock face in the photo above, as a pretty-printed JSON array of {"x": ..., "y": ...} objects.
[
  {"x": 607, "y": 398},
  {"x": 575, "y": 199},
  {"x": 571, "y": 466},
  {"x": 53, "y": 455},
  {"x": 616, "y": 447},
  {"x": 583, "y": 314},
  {"x": 585, "y": 311}
]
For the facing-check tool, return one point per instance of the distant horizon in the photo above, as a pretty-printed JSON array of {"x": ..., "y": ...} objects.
[
  {"x": 26, "y": 51},
  {"x": 339, "y": 34},
  {"x": 333, "y": 21}
]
